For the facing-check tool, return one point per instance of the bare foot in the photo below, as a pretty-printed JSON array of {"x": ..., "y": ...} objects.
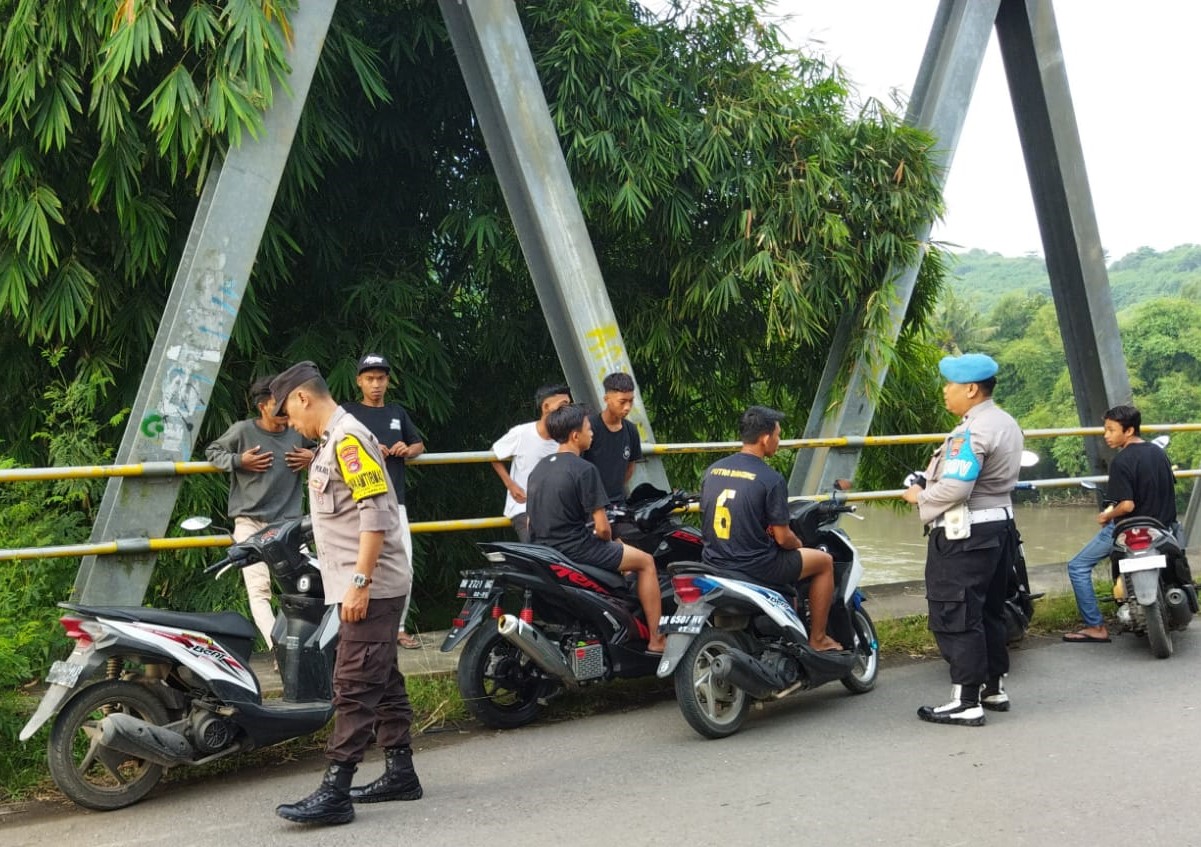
[
  {"x": 824, "y": 644},
  {"x": 656, "y": 644}
]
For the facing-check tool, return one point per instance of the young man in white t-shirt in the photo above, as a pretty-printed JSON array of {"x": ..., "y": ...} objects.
[{"x": 525, "y": 445}]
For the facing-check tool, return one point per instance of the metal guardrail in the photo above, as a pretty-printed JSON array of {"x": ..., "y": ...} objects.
[{"x": 164, "y": 469}]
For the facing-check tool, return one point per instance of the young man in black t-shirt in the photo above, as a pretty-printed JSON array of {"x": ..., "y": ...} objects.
[
  {"x": 616, "y": 444},
  {"x": 744, "y": 508},
  {"x": 399, "y": 440},
  {"x": 1141, "y": 483},
  {"x": 564, "y": 492}
]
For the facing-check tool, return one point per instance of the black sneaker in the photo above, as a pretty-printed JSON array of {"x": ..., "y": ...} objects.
[
  {"x": 993, "y": 696},
  {"x": 956, "y": 711}
]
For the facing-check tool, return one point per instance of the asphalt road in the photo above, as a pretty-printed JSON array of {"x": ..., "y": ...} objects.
[{"x": 1098, "y": 750}]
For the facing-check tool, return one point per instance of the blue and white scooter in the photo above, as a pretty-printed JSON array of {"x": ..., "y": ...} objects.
[{"x": 732, "y": 641}]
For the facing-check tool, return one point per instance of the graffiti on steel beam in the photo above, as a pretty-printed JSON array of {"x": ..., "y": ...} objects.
[{"x": 192, "y": 365}]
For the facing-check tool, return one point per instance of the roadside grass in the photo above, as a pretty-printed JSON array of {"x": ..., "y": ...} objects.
[
  {"x": 1053, "y": 614},
  {"x": 437, "y": 706}
]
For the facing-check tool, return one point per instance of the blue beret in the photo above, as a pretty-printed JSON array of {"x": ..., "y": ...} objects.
[{"x": 970, "y": 367}]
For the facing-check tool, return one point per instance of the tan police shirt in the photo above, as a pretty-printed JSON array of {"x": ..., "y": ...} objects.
[
  {"x": 349, "y": 493},
  {"x": 978, "y": 463}
]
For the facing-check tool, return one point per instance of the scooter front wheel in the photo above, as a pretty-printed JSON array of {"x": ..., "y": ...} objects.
[
  {"x": 94, "y": 776},
  {"x": 714, "y": 709},
  {"x": 500, "y": 685},
  {"x": 862, "y": 677}
]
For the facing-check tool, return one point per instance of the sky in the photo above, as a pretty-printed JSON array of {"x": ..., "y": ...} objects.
[{"x": 1133, "y": 71}]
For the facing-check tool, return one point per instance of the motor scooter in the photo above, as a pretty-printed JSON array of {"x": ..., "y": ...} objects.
[
  {"x": 733, "y": 640},
  {"x": 147, "y": 689},
  {"x": 1152, "y": 582},
  {"x": 534, "y": 623}
]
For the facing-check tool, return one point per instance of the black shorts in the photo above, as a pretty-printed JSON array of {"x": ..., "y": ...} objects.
[
  {"x": 785, "y": 569},
  {"x": 597, "y": 553}
]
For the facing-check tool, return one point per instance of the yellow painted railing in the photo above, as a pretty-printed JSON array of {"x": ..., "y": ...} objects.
[{"x": 151, "y": 469}]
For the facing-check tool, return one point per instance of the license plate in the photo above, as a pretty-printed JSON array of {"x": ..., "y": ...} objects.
[
  {"x": 1142, "y": 563},
  {"x": 687, "y": 624},
  {"x": 475, "y": 588},
  {"x": 64, "y": 673}
]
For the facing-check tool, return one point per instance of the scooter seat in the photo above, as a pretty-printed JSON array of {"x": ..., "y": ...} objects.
[
  {"x": 550, "y": 556},
  {"x": 210, "y": 623}
]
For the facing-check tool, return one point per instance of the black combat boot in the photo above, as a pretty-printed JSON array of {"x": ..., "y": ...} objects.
[
  {"x": 399, "y": 781},
  {"x": 329, "y": 804}
]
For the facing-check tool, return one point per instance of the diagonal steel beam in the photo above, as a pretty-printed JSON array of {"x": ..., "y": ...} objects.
[
  {"x": 507, "y": 97},
  {"x": 941, "y": 95},
  {"x": 195, "y": 328},
  {"x": 1063, "y": 203}
]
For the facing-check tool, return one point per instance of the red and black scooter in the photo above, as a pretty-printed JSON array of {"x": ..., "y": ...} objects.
[{"x": 535, "y": 623}]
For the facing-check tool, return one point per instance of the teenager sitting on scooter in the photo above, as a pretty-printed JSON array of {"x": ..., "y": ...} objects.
[
  {"x": 564, "y": 492},
  {"x": 744, "y": 502},
  {"x": 1141, "y": 483}
]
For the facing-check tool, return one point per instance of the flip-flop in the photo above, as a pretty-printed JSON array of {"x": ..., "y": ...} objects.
[{"x": 1084, "y": 638}]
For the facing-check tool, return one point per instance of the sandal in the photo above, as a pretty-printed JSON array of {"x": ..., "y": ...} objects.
[{"x": 407, "y": 641}]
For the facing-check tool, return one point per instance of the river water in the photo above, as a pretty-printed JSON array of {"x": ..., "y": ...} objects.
[{"x": 891, "y": 545}]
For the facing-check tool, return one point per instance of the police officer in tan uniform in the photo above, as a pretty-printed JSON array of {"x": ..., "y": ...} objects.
[
  {"x": 966, "y": 507},
  {"x": 356, "y": 526}
]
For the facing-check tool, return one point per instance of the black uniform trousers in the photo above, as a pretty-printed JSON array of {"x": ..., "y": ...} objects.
[
  {"x": 966, "y": 586},
  {"x": 369, "y": 690}
]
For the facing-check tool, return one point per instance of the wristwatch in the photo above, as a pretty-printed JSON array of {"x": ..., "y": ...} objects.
[{"x": 359, "y": 580}]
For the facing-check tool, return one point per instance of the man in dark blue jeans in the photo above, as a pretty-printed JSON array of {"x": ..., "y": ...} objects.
[{"x": 1141, "y": 483}]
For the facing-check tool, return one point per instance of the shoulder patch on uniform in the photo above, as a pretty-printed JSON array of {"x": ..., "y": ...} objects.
[
  {"x": 363, "y": 475},
  {"x": 961, "y": 462}
]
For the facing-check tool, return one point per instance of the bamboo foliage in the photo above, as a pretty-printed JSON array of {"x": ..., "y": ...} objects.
[{"x": 740, "y": 202}]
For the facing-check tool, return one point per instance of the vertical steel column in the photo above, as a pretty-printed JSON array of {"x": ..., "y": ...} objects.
[
  {"x": 1046, "y": 122},
  {"x": 195, "y": 329},
  {"x": 941, "y": 95},
  {"x": 515, "y": 120}
]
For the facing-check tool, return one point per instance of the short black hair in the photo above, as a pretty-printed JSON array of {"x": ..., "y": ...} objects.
[
  {"x": 619, "y": 382},
  {"x": 549, "y": 391},
  {"x": 565, "y": 420},
  {"x": 260, "y": 390},
  {"x": 987, "y": 386},
  {"x": 758, "y": 421},
  {"x": 1127, "y": 417}
]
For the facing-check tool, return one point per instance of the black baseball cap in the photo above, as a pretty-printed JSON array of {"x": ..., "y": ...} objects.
[
  {"x": 372, "y": 362},
  {"x": 289, "y": 380}
]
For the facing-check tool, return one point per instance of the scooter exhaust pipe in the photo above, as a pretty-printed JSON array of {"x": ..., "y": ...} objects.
[
  {"x": 135, "y": 737},
  {"x": 1179, "y": 612},
  {"x": 530, "y": 640},
  {"x": 735, "y": 667}
]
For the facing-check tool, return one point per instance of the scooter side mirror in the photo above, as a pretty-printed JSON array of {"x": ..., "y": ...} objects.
[
  {"x": 1029, "y": 459},
  {"x": 1091, "y": 486},
  {"x": 195, "y": 523},
  {"x": 842, "y": 485},
  {"x": 1162, "y": 441}
]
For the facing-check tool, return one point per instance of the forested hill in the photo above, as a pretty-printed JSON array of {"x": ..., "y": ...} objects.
[{"x": 982, "y": 278}]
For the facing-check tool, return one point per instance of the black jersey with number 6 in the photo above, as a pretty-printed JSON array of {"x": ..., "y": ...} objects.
[{"x": 741, "y": 496}]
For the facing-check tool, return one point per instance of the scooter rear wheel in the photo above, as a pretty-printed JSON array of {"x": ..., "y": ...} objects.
[
  {"x": 98, "y": 777},
  {"x": 1159, "y": 637},
  {"x": 500, "y": 685},
  {"x": 712, "y": 708}
]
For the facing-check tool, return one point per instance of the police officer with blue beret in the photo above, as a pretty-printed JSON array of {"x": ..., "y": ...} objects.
[{"x": 964, "y": 501}]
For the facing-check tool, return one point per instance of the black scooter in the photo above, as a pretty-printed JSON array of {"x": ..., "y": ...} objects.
[
  {"x": 147, "y": 689},
  {"x": 535, "y": 623}
]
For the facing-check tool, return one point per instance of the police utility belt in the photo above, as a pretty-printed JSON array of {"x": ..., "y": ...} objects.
[{"x": 957, "y": 521}]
